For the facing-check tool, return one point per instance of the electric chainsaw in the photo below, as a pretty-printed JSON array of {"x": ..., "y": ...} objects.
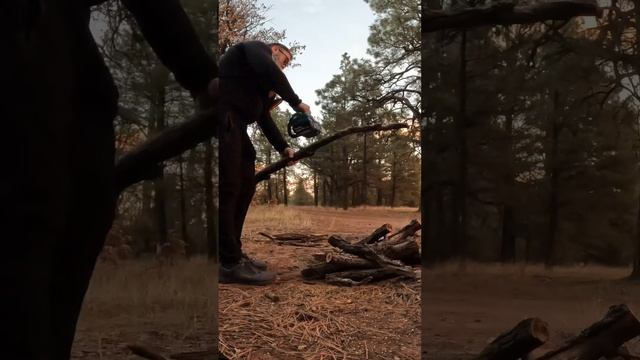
[{"x": 303, "y": 124}]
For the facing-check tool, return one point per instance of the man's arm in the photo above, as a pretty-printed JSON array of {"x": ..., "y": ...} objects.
[
  {"x": 168, "y": 30},
  {"x": 259, "y": 58},
  {"x": 271, "y": 131}
]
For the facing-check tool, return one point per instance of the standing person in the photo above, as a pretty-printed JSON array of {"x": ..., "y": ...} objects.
[
  {"x": 57, "y": 104},
  {"x": 250, "y": 76}
]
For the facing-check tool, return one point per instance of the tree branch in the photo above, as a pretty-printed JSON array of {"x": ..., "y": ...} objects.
[
  {"x": 506, "y": 14},
  {"x": 142, "y": 162},
  {"x": 310, "y": 149}
]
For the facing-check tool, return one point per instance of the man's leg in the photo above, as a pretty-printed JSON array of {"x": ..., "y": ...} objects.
[
  {"x": 91, "y": 215},
  {"x": 248, "y": 184},
  {"x": 229, "y": 157},
  {"x": 234, "y": 170}
]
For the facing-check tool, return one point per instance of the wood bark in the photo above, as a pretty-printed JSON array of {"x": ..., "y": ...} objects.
[
  {"x": 376, "y": 235},
  {"x": 367, "y": 253},
  {"x": 602, "y": 339},
  {"x": 142, "y": 162},
  {"x": 506, "y": 14},
  {"x": 518, "y": 342},
  {"x": 408, "y": 230},
  {"x": 310, "y": 149}
]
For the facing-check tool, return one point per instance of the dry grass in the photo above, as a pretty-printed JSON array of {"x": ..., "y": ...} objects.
[
  {"x": 317, "y": 321},
  {"x": 140, "y": 302}
]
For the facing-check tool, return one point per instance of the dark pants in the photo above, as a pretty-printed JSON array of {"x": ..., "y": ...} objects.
[
  {"x": 56, "y": 198},
  {"x": 237, "y": 185}
]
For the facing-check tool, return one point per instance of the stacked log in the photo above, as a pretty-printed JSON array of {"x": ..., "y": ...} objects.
[{"x": 378, "y": 256}]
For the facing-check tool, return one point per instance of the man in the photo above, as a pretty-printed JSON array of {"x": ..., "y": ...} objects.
[
  {"x": 250, "y": 76},
  {"x": 57, "y": 104}
]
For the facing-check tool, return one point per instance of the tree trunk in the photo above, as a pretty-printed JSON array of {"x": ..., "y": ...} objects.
[
  {"x": 345, "y": 169},
  {"x": 159, "y": 77},
  {"x": 209, "y": 206},
  {"x": 552, "y": 168},
  {"x": 394, "y": 175},
  {"x": 315, "y": 189},
  {"x": 159, "y": 209},
  {"x": 363, "y": 189},
  {"x": 147, "y": 216},
  {"x": 285, "y": 189},
  {"x": 508, "y": 252},
  {"x": 460, "y": 197},
  {"x": 183, "y": 212}
]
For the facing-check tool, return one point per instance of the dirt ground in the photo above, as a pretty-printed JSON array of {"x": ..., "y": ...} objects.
[
  {"x": 170, "y": 308},
  {"x": 465, "y": 308},
  {"x": 315, "y": 320}
]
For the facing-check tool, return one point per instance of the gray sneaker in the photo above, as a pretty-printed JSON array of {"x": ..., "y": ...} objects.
[
  {"x": 259, "y": 264},
  {"x": 244, "y": 273}
]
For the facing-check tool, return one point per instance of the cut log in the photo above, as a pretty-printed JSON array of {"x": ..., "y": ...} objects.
[
  {"x": 506, "y": 14},
  {"x": 518, "y": 342},
  {"x": 335, "y": 263},
  {"x": 310, "y": 149},
  {"x": 602, "y": 339},
  {"x": 409, "y": 230},
  {"x": 363, "y": 251},
  {"x": 377, "y": 235},
  {"x": 407, "y": 251}
]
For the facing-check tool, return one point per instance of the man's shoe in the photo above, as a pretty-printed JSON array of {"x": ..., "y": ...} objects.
[
  {"x": 244, "y": 273},
  {"x": 259, "y": 264}
]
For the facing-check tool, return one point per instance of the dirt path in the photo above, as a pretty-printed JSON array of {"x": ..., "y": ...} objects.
[
  {"x": 317, "y": 321},
  {"x": 466, "y": 309}
]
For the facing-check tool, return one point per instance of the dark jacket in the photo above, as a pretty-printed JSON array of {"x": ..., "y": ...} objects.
[{"x": 247, "y": 73}]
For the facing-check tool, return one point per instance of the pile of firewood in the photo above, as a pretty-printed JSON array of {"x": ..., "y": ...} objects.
[
  {"x": 378, "y": 256},
  {"x": 603, "y": 340}
]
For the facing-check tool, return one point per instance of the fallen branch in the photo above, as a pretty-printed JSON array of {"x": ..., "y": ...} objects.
[
  {"x": 310, "y": 149},
  {"x": 506, "y": 14}
]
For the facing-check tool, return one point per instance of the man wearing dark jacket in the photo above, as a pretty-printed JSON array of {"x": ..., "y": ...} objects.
[
  {"x": 250, "y": 76},
  {"x": 57, "y": 104}
]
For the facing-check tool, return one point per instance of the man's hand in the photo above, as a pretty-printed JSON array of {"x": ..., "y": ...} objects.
[
  {"x": 289, "y": 153},
  {"x": 302, "y": 107}
]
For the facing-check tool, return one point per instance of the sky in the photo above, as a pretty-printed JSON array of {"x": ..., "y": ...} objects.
[{"x": 328, "y": 28}]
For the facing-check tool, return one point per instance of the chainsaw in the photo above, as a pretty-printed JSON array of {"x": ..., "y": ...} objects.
[{"x": 303, "y": 124}]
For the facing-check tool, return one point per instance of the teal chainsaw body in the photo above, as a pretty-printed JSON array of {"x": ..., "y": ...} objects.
[{"x": 303, "y": 124}]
